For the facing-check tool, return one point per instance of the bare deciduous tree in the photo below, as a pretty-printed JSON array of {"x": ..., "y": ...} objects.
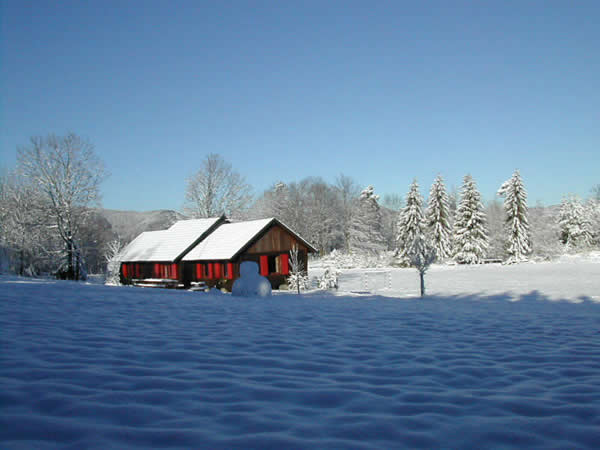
[
  {"x": 22, "y": 221},
  {"x": 348, "y": 191},
  {"x": 421, "y": 255},
  {"x": 298, "y": 278},
  {"x": 322, "y": 209},
  {"x": 310, "y": 207},
  {"x": 67, "y": 173},
  {"x": 112, "y": 254},
  {"x": 217, "y": 189}
]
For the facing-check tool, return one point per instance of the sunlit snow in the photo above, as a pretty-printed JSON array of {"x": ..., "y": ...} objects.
[{"x": 471, "y": 366}]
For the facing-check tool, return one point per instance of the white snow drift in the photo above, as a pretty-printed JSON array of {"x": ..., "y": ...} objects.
[{"x": 86, "y": 366}]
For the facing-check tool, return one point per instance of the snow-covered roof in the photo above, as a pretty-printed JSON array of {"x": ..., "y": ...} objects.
[
  {"x": 168, "y": 245},
  {"x": 227, "y": 240},
  {"x": 198, "y": 240}
]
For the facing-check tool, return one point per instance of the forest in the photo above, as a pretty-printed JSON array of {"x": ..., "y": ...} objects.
[{"x": 52, "y": 223}]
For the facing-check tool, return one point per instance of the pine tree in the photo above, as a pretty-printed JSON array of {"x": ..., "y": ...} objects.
[
  {"x": 592, "y": 208},
  {"x": 411, "y": 223},
  {"x": 365, "y": 231},
  {"x": 438, "y": 219},
  {"x": 470, "y": 234},
  {"x": 516, "y": 222},
  {"x": 575, "y": 227}
]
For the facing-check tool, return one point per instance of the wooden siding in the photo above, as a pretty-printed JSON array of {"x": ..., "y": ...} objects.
[{"x": 275, "y": 240}]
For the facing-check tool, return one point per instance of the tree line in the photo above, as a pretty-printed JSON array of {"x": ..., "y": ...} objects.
[
  {"x": 49, "y": 221},
  {"x": 458, "y": 225},
  {"x": 47, "y": 216}
]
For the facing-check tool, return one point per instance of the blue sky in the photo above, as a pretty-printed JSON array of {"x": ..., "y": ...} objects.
[{"x": 381, "y": 91}]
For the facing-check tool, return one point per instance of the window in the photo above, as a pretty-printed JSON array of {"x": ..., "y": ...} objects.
[{"x": 273, "y": 264}]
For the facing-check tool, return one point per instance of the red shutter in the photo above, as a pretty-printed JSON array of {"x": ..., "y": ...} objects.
[
  {"x": 230, "y": 271},
  {"x": 124, "y": 266},
  {"x": 285, "y": 264},
  {"x": 198, "y": 271},
  {"x": 210, "y": 271},
  {"x": 156, "y": 273},
  {"x": 217, "y": 270},
  {"x": 264, "y": 265},
  {"x": 174, "y": 273}
]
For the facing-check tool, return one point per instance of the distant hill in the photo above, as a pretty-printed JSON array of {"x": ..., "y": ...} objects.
[{"x": 128, "y": 224}]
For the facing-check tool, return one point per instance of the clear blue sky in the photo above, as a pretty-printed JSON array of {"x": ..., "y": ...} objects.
[{"x": 381, "y": 91}]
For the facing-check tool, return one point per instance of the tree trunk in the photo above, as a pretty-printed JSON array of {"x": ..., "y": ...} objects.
[
  {"x": 22, "y": 264},
  {"x": 422, "y": 276},
  {"x": 77, "y": 275},
  {"x": 70, "y": 272}
]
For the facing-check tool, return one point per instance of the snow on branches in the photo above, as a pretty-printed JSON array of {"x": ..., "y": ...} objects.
[
  {"x": 366, "y": 234},
  {"x": 411, "y": 223},
  {"x": 438, "y": 219},
  {"x": 574, "y": 223},
  {"x": 298, "y": 278},
  {"x": 470, "y": 233},
  {"x": 516, "y": 218}
]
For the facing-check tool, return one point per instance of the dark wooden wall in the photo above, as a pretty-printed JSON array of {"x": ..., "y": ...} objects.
[{"x": 276, "y": 239}]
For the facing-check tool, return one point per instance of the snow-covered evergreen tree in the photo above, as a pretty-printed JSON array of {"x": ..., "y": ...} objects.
[
  {"x": 366, "y": 234},
  {"x": 438, "y": 219},
  {"x": 574, "y": 224},
  {"x": 592, "y": 208},
  {"x": 411, "y": 223},
  {"x": 470, "y": 233},
  {"x": 516, "y": 218}
]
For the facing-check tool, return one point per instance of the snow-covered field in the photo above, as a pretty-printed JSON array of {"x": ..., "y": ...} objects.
[
  {"x": 89, "y": 366},
  {"x": 572, "y": 278}
]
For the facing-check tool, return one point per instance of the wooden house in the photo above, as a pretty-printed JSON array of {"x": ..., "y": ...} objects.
[{"x": 210, "y": 251}]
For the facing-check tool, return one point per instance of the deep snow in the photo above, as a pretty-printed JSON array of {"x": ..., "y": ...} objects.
[
  {"x": 88, "y": 366},
  {"x": 572, "y": 278}
]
